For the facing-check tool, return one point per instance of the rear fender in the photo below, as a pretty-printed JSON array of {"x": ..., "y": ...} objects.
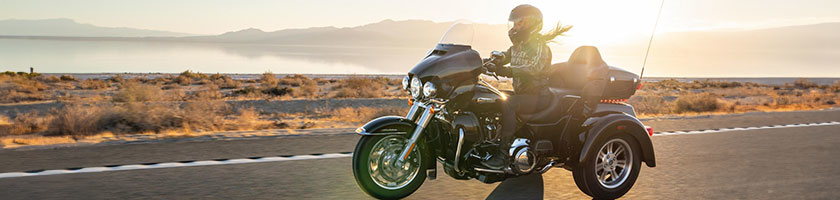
[
  {"x": 611, "y": 122},
  {"x": 387, "y": 125}
]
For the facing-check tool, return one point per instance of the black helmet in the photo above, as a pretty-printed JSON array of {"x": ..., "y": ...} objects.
[{"x": 522, "y": 12}]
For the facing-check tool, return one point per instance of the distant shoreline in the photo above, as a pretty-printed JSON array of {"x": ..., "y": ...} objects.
[{"x": 242, "y": 76}]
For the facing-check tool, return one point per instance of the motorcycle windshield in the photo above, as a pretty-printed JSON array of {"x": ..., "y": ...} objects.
[{"x": 460, "y": 33}]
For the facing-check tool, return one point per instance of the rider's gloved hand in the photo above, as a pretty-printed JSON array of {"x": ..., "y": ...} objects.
[{"x": 491, "y": 67}]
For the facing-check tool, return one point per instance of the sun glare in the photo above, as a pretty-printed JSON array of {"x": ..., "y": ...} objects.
[{"x": 600, "y": 22}]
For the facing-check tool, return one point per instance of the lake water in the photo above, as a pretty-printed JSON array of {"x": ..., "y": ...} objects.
[
  {"x": 72, "y": 56},
  {"x": 86, "y": 56}
]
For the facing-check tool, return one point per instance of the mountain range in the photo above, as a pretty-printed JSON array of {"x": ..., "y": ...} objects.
[
  {"x": 70, "y": 28},
  {"x": 804, "y": 47}
]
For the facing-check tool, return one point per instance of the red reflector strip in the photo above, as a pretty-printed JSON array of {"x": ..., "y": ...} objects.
[
  {"x": 639, "y": 87},
  {"x": 649, "y": 130},
  {"x": 613, "y": 100}
]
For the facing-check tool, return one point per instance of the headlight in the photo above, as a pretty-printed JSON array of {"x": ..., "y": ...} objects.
[
  {"x": 415, "y": 87},
  {"x": 405, "y": 83},
  {"x": 429, "y": 90}
]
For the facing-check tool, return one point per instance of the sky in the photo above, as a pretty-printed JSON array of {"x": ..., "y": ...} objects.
[{"x": 591, "y": 17}]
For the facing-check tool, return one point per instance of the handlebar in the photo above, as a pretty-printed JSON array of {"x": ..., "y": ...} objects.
[{"x": 494, "y": 55}]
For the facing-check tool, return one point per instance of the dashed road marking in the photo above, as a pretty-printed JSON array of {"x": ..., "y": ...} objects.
[
  {"x": 186, "y": 163},
  {"x": 744, "y": 128},
  {"x": 192, "y": 163}
]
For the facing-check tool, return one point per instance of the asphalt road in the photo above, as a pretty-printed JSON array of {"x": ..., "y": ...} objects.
[{"x": 778, "y": 163}]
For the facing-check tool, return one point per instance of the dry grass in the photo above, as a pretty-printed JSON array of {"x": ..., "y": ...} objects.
[
  {"x": 133, "y": 91},
  {"x": 696, "y": 103},
  {"x": 25, "y": 123},
  {"x": 93, "y": 84},
  {"x": 20, "y": 88},
  {"x": 671, "y": 96},
  {"x": 356, "y": 87}
]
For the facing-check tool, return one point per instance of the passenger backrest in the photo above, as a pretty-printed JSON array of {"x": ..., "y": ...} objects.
[{"x": 575, "y": 73}]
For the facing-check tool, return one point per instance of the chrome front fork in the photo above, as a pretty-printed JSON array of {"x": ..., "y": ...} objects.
[{"x": 425, "y": 117}]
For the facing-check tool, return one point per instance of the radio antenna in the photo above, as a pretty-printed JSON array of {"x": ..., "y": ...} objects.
[{"x": 651, "y": 39}]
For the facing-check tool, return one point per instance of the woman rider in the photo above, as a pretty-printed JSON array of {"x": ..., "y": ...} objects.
[{"x": 530, "y": 61}]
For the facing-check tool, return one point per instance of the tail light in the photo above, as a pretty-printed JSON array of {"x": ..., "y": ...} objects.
[{"x": 649, "y": 130}]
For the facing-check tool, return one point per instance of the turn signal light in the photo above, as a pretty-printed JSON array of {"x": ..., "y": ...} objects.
[{"x": 410, "y": 102}]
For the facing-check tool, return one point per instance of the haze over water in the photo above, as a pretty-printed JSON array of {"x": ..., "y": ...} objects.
[{"x": 73, "y": 56}]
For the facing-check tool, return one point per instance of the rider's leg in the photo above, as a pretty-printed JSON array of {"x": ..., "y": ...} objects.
[{"x": 509, "y": 126}]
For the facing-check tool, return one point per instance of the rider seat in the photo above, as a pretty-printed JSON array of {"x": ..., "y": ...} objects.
[{"x": 567, "y": 78}]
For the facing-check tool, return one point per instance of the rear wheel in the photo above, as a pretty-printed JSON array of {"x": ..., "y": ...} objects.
[
  {"x": 378, "y": 173},
  {"x": 611, "y": 171}
]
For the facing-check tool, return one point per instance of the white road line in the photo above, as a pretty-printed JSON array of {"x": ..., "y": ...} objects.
[
  {"x": 744, "y": 129},
  {"x": 173, "y": 165},
  {"x": 317, "y": 156}
]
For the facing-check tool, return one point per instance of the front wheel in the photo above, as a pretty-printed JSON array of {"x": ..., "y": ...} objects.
[
  {"x": 378, "y": 173},
  {"x": 612, "y": 170}
]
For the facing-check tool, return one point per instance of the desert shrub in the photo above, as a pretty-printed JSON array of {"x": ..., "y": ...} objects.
[
  {"x": 696, "y": 103},
  {"x": 246, "y": 91},
  {"x": 93, "y": 84},
  {"x": 209, "y": 92},
  {"x": 205, "y": 115},
  {"x": 203, "y": 81},
  {"x": 306, "y": 87},
  {"x": 295, "y": 80},
  {"x": 356, "y": 87},
  {"x": 67, "y": 77},
  {"x": 307, "y": 90},
  {"x": 183, "y": 80},
  {"x": 248, "y": 119},
  {"x": 268, "y": 80},
  {"x": 76, "y": 120},
  {"x": 783, "y": 100},
  {"x": 650, "y": 104},
  {"x": 192, "y": 75},
  {"x": 116, "y": 78},
  {"x": 49, "y": 79},
  {"x": 224, "y": 82},
  {"x": 18, "y": 89},
  {"x": 137, "y": 92},
  {"x": 277, "y": 91},
  {"x": 26, "y": 123},
  {"x": 803, "y": 83}
]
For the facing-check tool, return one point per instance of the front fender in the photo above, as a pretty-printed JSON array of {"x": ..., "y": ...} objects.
[
  {"x": 610, "y": 122},
  {"x": 387, "y": 125}
]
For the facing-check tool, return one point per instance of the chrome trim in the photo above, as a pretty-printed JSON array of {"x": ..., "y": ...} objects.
[
  {"x": 489, "y": 170},
  {"x": 493, "y": 89},
  {"x": 549, "y": 166},
  {"x": 421, "y": 124},
  {"x": 384, "y": 133},
  {"x": 438, "y": 101},
  {"x": 412, "y": 112},
  {"x": 458, "y": 150},
  {"x": 484, "y": 100}
]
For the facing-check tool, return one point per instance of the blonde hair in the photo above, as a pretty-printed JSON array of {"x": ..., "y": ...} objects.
[{"x": 558, "y": 30}]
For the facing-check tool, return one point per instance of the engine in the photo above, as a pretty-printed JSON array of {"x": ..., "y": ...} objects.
[{"x": 524, "y": 158}]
